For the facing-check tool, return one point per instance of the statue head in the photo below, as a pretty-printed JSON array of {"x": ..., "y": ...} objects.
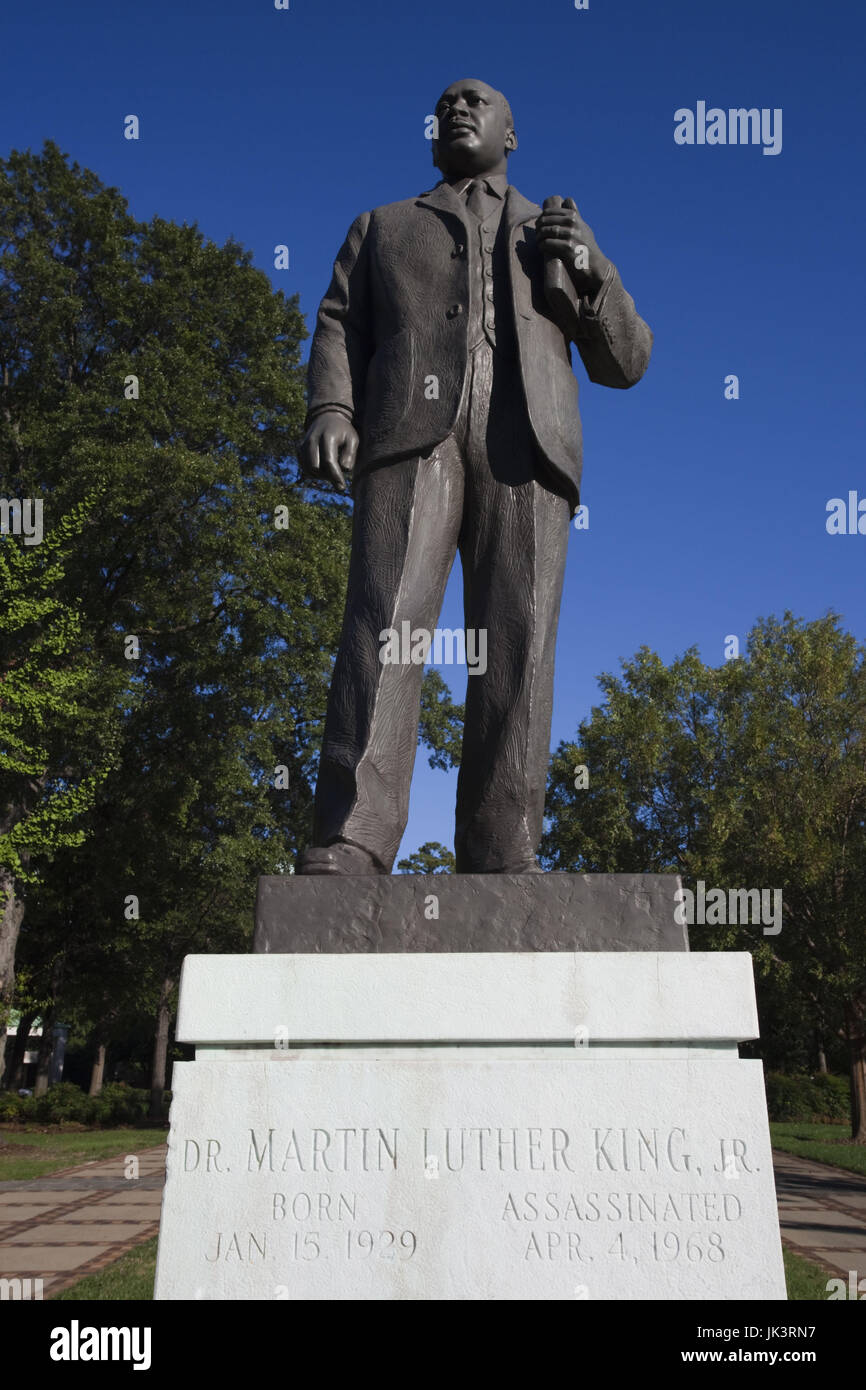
[{"x": 475, "y": 133}]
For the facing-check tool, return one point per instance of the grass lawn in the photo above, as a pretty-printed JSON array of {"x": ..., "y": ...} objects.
[
  {"x": 825, "y": 1143},
  {"x": 131, "y": 1278},
  {"x": 35, "y": 1151},
  {"x": 804, "y": 1280}
]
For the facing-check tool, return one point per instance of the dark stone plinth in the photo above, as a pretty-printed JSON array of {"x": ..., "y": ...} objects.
[{"x": 477, "y": 912}]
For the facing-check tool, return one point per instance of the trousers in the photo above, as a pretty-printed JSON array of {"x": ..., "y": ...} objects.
[{"x": 481, "y": 492}]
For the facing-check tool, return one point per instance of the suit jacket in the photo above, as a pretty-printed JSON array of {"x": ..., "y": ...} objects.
[{"x": 396, "y": 312}]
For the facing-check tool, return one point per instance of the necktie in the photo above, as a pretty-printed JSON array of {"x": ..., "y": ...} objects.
[{"x": 476, "y": 199}]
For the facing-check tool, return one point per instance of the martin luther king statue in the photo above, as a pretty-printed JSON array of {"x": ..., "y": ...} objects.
[{"x": 440, "y": 375}]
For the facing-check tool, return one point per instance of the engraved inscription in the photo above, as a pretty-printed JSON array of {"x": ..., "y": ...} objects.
[
  {"x": 234, "y": 1245},
  {"x": 598, "y": 1196},
  {"x": 317, "y": 1206},
  {"x": 321, "y": 1150}
]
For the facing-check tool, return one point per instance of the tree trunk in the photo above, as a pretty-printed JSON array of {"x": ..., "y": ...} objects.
[
  {"x": 11, "y": 914},
  {"x": 160, "y": 1050},
  {"x": 15, "y": 1070},
  {"x": 46, "y": 1047},
  {"x": 855, "y": 1029},
  {"x": 822, "y": 1055},
  {"x": 97, "y": 1071}
]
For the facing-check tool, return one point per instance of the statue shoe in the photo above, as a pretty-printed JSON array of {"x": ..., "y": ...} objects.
[{"x": 338, "y": 858}]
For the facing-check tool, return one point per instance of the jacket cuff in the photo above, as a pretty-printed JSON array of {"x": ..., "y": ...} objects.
[
  {"x": 329, "y": 405},
  {"x": 591, "y": 309}
]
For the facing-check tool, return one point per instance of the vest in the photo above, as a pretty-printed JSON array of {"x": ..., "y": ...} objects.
[{"x": 489, "y": 299}]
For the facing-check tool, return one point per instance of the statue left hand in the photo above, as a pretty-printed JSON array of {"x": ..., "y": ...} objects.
[{"x": 562, "y": 233}]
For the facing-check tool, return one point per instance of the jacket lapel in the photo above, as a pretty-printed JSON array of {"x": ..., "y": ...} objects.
[
  {"x": 443, "y": 199},
  {"x": 518, "y": 209}
]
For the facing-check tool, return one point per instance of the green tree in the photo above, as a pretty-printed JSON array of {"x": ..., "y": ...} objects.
[
  {"x": 54, "y": 712},
  {"x": 441, "y": 723},
  {"x": 634, "y": 794},
  {"x": 430, "y": 858},
  {"x": 748, "y": 775},
  {"x": 157, "y": 376},
  {"x": 799, "y": 779},
  {"x": 159, "y": 373}
]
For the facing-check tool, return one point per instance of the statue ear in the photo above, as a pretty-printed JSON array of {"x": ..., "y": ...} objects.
[{"x": 510, "y": 141}]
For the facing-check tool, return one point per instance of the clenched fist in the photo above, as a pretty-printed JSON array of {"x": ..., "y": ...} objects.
[
  {"x": 329, "y": 447},
  {"x": 562, "y": 233}
]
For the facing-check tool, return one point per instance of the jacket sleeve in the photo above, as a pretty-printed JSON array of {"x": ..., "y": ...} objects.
[
  {"x": 611, "y": 337},
  {"x": 342, "y": 342}
]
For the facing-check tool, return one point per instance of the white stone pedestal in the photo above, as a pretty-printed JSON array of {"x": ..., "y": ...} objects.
[{"x": 469, "y": 1126}]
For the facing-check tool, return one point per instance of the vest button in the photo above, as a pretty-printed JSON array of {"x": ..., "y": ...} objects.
[
  {"x": 454, "y": 311},
  {"x": 459, "y": 249}
]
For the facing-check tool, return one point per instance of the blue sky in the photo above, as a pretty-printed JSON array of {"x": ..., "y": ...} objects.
[{"x": 281, "y": 126}]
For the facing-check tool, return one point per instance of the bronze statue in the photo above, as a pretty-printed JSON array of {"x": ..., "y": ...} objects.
[{"x": 440, "y": 374}]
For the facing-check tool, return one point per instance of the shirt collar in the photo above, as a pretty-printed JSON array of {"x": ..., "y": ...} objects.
[{"x": 497, "y": 184}]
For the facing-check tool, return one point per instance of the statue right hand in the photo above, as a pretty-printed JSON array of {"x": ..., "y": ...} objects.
[{"x": 329, "y": 446}]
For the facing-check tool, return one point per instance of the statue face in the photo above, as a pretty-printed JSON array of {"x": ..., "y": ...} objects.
[{"x": 474, "y": 131}]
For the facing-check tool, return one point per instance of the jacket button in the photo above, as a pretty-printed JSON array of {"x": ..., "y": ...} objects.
[{"x": 454, "y": 311}]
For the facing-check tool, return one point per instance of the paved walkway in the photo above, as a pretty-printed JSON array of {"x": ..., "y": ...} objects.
[
  {"x": 77, "y": 1221},
  {"x": 822, "y": 1213}
]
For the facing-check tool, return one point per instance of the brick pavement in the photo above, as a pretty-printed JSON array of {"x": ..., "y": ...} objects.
[
  {"x": 822, "y": 1213},
  {"x": 73, "y": 1223}
]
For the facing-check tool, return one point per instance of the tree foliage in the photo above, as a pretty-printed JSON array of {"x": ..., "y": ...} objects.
[
  {"x": 749, "y": 775},
  {"x": 430, "y": 858},
  {"x": 165, "y": 653},
  {"x": 151, "y": 395}
]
